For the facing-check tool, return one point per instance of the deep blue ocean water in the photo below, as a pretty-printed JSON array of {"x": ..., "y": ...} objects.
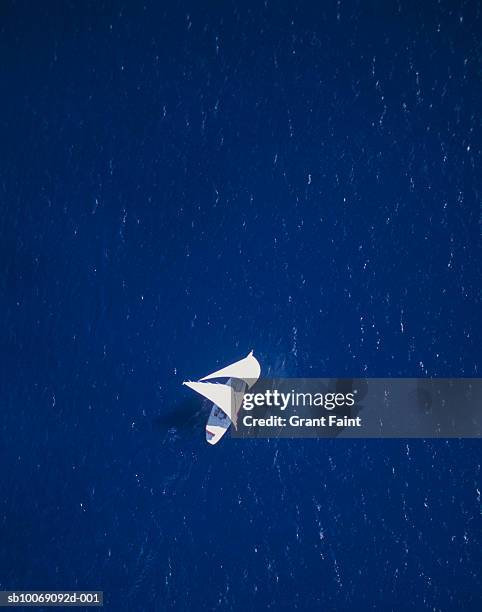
[{"x": 181, "y": 183}]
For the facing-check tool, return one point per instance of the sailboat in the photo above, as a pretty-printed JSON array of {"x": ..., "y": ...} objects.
[{"x": 226, "y": 397}]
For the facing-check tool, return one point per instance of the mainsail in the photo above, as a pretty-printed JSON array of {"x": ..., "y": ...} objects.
[
  {"x": 247, "y": 369},
  {"x": 227, "y": 397}
]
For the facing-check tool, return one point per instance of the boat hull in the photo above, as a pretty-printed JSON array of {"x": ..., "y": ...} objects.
[{"x": 218, "y": 421}]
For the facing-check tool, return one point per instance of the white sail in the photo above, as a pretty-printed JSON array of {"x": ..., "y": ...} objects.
[
  {"x": 220, "y": 395},
  {"x": 247, "y": 369}
]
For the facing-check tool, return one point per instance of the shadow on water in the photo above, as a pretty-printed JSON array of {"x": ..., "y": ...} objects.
[{"x": 184, "y": 418}]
